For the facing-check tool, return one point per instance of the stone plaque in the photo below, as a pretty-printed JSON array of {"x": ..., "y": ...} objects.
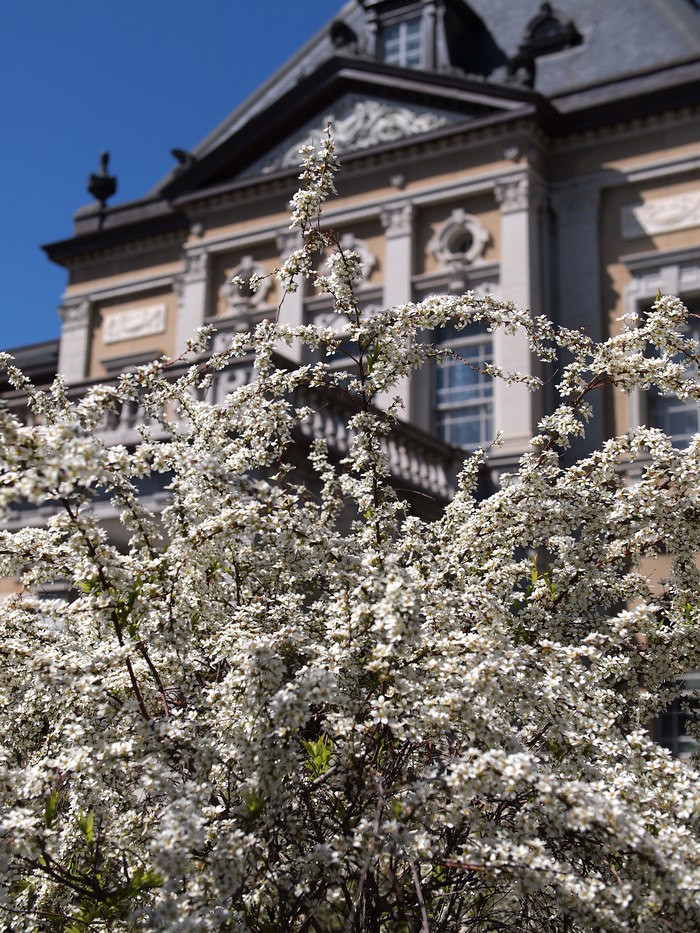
[
  {"x": 661, "y": 215},
  {"x": 136, "y": 322}
]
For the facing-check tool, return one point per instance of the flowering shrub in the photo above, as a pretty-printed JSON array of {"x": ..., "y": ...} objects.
[{"x": 286, "y": 709}]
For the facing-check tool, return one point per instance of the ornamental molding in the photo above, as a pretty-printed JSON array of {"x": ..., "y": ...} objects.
[
  {"x": 519, "y": 194},
  {"x": 357, "y": 123},
  {"x": 669, "y": 278},
  {"x": 458, "y": 243},
  {"x": 661, "y": 215},
  {"x": 397, "y": 219},
  {"x": 287, "y": 241},
  {"x": 136, "y": 322}
]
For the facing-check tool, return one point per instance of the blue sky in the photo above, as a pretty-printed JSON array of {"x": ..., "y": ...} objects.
[{"x": 135, "y": 77}]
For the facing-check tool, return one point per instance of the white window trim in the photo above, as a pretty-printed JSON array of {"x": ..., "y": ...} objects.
[
  {"x": 403, "y": 27},
  {"x": 485, "y": 405},
  {"x": 673, "y": 273}
]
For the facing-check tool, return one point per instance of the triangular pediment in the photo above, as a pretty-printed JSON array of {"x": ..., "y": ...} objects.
[
  {"x": 370, "y": 105},
  {"x": 357, "y": 122}
]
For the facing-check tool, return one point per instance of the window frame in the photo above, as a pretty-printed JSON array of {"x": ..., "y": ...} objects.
[
  {"x": 669, "y": 729},
  {"x": 656, "y": 402},
  {"x": 673, "y": 272},
  {"x": 483, "y": 402},
  {"x": 402, "y": 59}
]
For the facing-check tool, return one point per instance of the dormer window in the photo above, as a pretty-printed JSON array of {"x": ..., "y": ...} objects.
[{"x": 400, "y": 43}]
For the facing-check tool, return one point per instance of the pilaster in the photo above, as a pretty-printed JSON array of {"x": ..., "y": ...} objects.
[
  {"x": 520, "y": 199},
  {"x": 292, "y": 310},
  {"x": 74, "y": 345},
  {"x": 193, "y": 292},
  {"x": 370, "y": 34},
  {"x": 576, "y": 206},
  {"x": 397, "y": 220},
  {"x": 428, "y": 28}
]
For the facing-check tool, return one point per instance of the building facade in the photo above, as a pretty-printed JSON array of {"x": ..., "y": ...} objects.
[{"x": 549, "y": 155}]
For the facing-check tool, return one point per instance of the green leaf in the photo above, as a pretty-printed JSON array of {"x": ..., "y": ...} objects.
[
  {"x": 320, "y": 753},
  {"x": 255, "y": 804},
  {"x": 51, "y": 808},
  {"x": 86, "y": 823}
]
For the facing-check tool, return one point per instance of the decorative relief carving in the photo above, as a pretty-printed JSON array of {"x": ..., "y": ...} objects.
[
  {"x": 459, "y": 241},
  {"x": 397, "y": 219},
  {"x": 136, "y": 322},
  {"x": 513, "y": 195},
  {"x": 75, "y": 316},
  {"x": 367, "y": 258},
  {"x": 287, "y": 241},
  {"x": 661, "y": 215},
  {"x": 525, "y": 192},
  {"x": 196, "y": 265},
  {"x": 357, "y": 123},
  {"x": 242, "y": 299}
]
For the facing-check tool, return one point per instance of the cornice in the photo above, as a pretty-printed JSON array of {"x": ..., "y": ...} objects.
[
  {"x": 134, "y": 237},
  {"x": 638, "y": 125},
  {"x": 134, "y": 286},
  {"x": 640, "y": 262},
  {"x": 624, "y": 101}
]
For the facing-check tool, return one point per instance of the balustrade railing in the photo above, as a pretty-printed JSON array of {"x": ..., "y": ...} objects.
[{"x": 417, "y": 461}]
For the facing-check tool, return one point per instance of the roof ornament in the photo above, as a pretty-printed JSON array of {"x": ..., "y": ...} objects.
[
  {"x": 550, "y": 30},
  {"x": 185, "y": 159},
  {"x": 342, "y": 36},
  {"x": 102, "y": 185}
]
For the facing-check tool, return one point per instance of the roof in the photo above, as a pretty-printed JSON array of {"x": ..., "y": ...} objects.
[
  {"x": 623, "y": 36},
  {"x": 38, "y": 361},
  {"x": 619, "y": 36}
]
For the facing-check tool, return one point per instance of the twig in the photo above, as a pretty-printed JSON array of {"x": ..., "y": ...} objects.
[{"x": 425, "y": 926}]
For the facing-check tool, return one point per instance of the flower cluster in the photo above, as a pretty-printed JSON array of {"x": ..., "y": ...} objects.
[{"x": 274, "y": 705}]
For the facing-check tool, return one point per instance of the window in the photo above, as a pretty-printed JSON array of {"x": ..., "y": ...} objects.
[
  {"x": 463, "y": 391},
  {"x": 671, "y": 726},
  {"x": 676, "y": 418},
  {"x": 401, "y": 43},
  {"x": 679, "y": 419}
]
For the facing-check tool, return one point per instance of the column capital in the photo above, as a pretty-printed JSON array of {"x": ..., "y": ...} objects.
[
  {"x": 287, "y": 241},
  {"x": 577, "y": 202},
  {"x": 75, "y": 314},
  {"x": 520, "y": 193},
  {"x": 397, "y": 219},
  {"x": 196, "y": 265}
]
